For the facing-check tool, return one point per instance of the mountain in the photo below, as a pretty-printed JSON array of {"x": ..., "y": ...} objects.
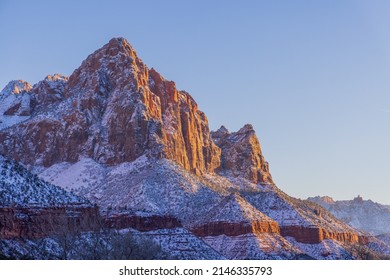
[
  {"x": 113, "y": 109},
  {"x": 362, "y": 214},
  {"x": 120, "y": 135}
]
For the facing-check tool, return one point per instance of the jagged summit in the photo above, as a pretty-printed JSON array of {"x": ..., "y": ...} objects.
[
  {"x": 113, "y": 66},
  {"x": 16, "y": 87},
  {"x": 56, "y": 77},
  {"x": 14, "y": 103},
  {"x": 242, "y": 155},
  {"x": 119, "y": 42},
  {"x": 247, "y": 128},
  {"x": 220, "y": 132}
]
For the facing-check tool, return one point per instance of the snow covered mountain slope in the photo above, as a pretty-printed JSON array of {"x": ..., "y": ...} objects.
[
  {"x": 236, "y": 217},
  {"x": 164, "y": 188},
  {"x": 362, "y": 214},
  {"x": 21, "y": 188}
]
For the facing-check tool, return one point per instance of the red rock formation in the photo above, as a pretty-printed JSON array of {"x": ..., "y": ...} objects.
[
  {"x": 315, "y": 235},
  {"x": 41, "y": 222},
  {"x": 113, "y": 109},
  {"x": 303, "y": 234},
  {"x": 235, "y": 229},
  {"x": 140, "y": 223},
  {"x": 241, "y": 154}
]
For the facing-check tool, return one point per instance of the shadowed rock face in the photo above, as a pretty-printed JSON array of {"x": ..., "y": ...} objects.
[
  {"x": 112, "y": 109},
  {"x": 22, "y": 222},
  {"x": 147, "y": 223},
  {"x": 48, "y": 91},
  {"x": 241, "y": 154},
  {"x": 235, "y": 229}
]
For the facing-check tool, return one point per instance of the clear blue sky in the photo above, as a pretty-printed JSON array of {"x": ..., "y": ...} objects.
[{"x": 311, "y": 76}]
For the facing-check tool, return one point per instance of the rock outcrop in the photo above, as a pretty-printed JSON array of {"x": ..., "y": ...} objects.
[
  {"x": 241, "y": 154},
  {"x": 314, "y": 235},
  {"x": 48, "y": 92}
]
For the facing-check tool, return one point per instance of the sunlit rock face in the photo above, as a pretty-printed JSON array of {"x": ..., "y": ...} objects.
[{"x": 241, "y": 154}]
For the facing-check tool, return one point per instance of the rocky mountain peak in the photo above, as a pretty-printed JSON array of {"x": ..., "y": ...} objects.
[
  {"x": 14, "y": 102},
  {"x": 221, "y": 132},
  {"x": 113, "y": 66},
  {"x": 16, "y": 87},
  {"x": 113, "y": 109},
  {"x": 246, "y": 129},
  {"x": 55, "y": 78},
  {"x": 122, "y": 45},
  {"x": 242, "y": 155}
]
